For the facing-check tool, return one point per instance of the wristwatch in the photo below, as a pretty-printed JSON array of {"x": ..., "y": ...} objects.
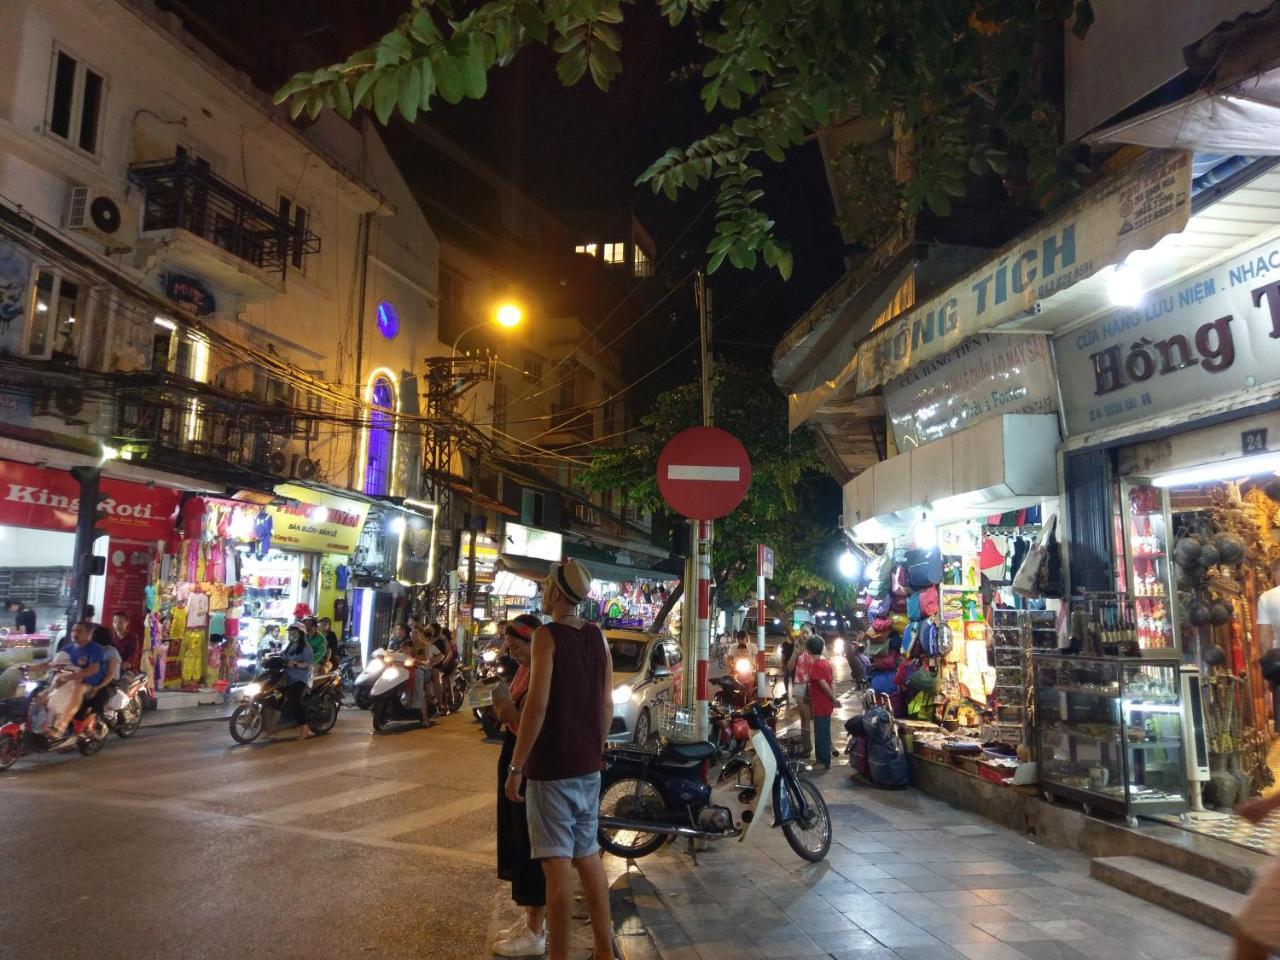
[{"x": 513, "y": 769}]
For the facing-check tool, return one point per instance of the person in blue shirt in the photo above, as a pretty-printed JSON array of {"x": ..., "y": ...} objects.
[
  {"x": 298, "y": 674},
  {"x": 91, "y": 660}
]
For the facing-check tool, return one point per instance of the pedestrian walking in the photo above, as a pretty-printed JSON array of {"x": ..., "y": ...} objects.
[
  {"x": 563, "y": 725},
  {"x": 801, "y": 661},
  {"x": 1258, "y": 923},
  {"x": 822, "y": 700},
  {"x": 528, "y": 936}
]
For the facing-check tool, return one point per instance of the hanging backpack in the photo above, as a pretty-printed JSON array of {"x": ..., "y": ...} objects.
[
  {"x": 929, "y": 603},
  {"x": 899, "y": 581},
  {"x": 924, "y": 568}
]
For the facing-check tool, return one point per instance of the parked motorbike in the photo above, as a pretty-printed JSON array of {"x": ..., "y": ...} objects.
[
  {"x": 349, "y": 667},
  {"x": 647, "y": 798},
  {"x": 24, "y": 720},
  {"x": 263, "y": 703},
  {"x": 123, "y": 712},
  {"x": 363, "y": 688},
  {"x": 392, "y": 693}
]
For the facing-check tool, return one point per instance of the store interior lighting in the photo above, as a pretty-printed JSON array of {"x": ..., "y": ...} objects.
[
  {"x": 1125, "y": 287},
  {"x": 925, "y": 533},
  {"x": 1222, "y": 470},
  {"x": 849, "y": 565}
]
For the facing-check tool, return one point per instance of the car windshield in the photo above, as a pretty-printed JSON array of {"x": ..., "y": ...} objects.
[{"x": 628, "y": 655}]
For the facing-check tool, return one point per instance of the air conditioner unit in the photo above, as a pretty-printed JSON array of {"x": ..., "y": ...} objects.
[
  {"x": 103, "y": 217},
  {"x": 304, "y": 468}
]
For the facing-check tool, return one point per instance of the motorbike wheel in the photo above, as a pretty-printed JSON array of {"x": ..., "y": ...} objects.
[
  {"x": 322, "y": 716},
  {"x": 129, "y": 719},
  {"x": 634, "y": 799},
  {"x": 10, "y": 750},
  {"x": 810, "y": 839},
  {"x": 490, "y": 724},
  {"x": 644, "y": 728},
  {"x": 363, "y": 700},
  {"x": 88, "y": 746},
  {"x": 380, "y": 715},
  {"x": 246, "y": 723}
]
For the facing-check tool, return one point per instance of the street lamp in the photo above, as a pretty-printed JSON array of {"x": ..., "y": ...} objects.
[
  {"x": 507, "y": 314},
  {"x": 849, "y": 565}
]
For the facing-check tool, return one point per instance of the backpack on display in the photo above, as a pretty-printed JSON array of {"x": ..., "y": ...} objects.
[
  {"x": 929, "y": 602},
  {"x": 879, "y": 608},
  {"x": 900, "y": 581},
  {"x": 927, "y": 638},
  {"x": 924, "y": 568},
  {"x": 913, "y": 607}
]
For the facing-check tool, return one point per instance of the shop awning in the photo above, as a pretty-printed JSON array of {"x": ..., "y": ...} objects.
[
  {"x": 620, "y": 573},
  {"x": 531, "y": 568},
  {"x": 1007, "y": 463}
]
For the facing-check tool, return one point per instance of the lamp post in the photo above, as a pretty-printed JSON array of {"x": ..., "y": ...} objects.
[{"x": 507, "y": 314}]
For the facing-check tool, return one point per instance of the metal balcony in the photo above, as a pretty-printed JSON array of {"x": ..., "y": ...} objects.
[{"x": 183, "y": 194}]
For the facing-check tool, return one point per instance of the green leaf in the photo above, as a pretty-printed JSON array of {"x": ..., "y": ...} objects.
[
  {"x": 363, "y": 86},
  {"x": 342, "y": 100},
  {"x": 423, "y": 28},
  {"x": 786, "y": 262},
  {"x": 605, "y": 65},
  {"x": 448, "y": 74},
  {"x": 939, "y": 202},
  {"x": 475, "y": 74},
  {"x": 572, "y": 66},
  {"x": 717, "y": 258},
  {"x": 393, "y": 48},
  {"x": 385, "y": 92},
  {"x": 532, "y": 20},
  {"x": 296, "y": 107},
  {"x": 299, "y": 81},
  {"x": 409, "y": 96}
]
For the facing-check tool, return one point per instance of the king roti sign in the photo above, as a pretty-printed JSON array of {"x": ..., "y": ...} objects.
[{"x": 1210, "y": 334}]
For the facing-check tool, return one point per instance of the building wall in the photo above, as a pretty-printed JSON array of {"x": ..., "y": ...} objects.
[{"x": 162, "y": 90}]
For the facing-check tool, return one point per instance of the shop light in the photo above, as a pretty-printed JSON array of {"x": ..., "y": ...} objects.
[
  {"x": 109, "y": 453},
  {"x": 1125, "y": 286},
  {"x": 320, "y": 514},
  {"x": 1222, "y": 470},
  {"x": 166, "y": 323},
  {"x": 925, "y": 533},
  {"x": 397, "y": 524},
  {"x": 849, "y": 565}
]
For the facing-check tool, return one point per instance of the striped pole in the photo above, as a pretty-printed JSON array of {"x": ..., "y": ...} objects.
[{"x": 704, "y": 626}]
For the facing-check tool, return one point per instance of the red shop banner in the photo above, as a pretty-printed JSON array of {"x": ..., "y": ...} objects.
[{"x": 46, "y": 499}]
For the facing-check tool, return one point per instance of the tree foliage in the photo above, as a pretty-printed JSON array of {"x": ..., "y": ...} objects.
[
  {"x": 955, "y": 80},
  {"x": 779, "y": 509}
]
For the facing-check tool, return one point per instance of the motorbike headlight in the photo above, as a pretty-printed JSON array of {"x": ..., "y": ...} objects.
[
  {"x": 838, "y": 646},
  {"x": 252, "y": 689},
  {"x": 489, "y": 656},
  {"x": 27, "y": 687},
  {"x": 376, "y": 665},
  {"x": 622, "y": 694},
  {"x": 743, "y": 665}
]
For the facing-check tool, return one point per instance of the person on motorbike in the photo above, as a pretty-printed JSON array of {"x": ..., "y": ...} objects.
[
  {"x": 528, "y": 936},
  {"x": 331, "y": 642},
  {"x": 91, "y": 659},
  {"x": 96, "y": 699},
  {"x": 399, "y": 636},
  {"x": 420, "y": 647},
  {"x": 316, "y": 641},
  {"x": 300, "y": 659}
]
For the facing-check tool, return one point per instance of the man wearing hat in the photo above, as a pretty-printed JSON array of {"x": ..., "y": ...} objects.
[{"x": 566, "y": 717}]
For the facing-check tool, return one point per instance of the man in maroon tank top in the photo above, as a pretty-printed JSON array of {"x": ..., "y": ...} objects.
[{"x": 566, "y": 717}]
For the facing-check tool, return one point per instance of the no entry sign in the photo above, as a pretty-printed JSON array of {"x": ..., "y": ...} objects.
[{"x": 703, "y": 473}]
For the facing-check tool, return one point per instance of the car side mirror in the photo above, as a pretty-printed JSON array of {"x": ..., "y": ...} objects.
[{"x": 659, "y": 672}]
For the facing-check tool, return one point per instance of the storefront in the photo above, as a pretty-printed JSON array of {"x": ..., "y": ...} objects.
[
  {"x": 1171, "y": 406},
  {"x": 239, "y": 572},
  {"x": 38, "y": 508},
  {"x": 623, "y": 592}
]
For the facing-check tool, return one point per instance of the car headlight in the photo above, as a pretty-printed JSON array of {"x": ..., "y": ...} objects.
[
  {"x": 622, "y": 694},
  {"x": 252, "y": 689},
  {"x": 489, "y": 656},
  {"x": 742, "y": 665}
]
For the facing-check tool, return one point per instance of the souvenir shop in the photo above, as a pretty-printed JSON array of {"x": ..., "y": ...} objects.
[
  {"x": 37, "y": 546},
  {"x": 957, "y": 589},
  {"x": 1178, "y": 434},
  {"x": 237, "y": 573}
]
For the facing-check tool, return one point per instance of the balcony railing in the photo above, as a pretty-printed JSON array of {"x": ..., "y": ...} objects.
[{"x": 184, "y": 194}]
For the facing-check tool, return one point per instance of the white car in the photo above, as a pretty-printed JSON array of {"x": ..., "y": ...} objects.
[{"x": 647, "y": 668}]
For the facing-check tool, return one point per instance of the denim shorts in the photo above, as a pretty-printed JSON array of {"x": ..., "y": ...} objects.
[{"x": 563, "y": 816}]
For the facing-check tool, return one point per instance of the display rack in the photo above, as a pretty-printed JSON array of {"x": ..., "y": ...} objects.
[
  {"x": 1146, "y": 542},
  {"x": 1109, "y": 733},
  {"x": 1016, "y": 635}
]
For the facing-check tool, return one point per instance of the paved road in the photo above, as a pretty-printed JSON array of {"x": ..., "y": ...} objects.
[{"x": 180, "y": 843}]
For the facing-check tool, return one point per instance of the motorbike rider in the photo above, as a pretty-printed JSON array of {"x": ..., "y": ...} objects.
[
  {"x": 298, "y": 673},
  {"x": 315, "y": 640},
  {"x": 91, "y": 659},
  {"x": 423, "y": 654},
  {"x": 399, "y": 636},
  {"x": 96, "y": 699},
  {"x": 331, "y": 642}
]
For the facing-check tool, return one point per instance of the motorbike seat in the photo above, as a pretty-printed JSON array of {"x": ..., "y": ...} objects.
[{"x": 688, "y": 752}]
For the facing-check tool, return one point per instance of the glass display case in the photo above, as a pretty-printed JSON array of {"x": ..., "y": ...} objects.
[
  {"x": 1109, "y": 733},
  {"x": 1147, "y": 530}
]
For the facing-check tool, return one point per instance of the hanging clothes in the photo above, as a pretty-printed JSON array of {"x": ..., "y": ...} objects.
[
  {"x": 193, "y": 658},
  {"x": 197, "y": 611}
]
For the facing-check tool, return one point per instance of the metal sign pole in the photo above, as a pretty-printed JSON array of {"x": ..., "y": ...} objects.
[{"x": 761, "y": 613}]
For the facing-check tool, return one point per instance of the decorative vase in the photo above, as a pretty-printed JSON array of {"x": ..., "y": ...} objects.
[
  {"x": 1243, "y": 780},
  {"x": 1224, "y": 786}
]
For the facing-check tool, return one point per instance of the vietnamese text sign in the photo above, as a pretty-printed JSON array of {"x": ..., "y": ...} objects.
[
  {"x": 315, "y": 522},
  {"x": 1132, "y": 212},
  {"x": 764, "y": 561},
  {"x": 986, "y": 376},
  {"x": 1208, "y": 335}
]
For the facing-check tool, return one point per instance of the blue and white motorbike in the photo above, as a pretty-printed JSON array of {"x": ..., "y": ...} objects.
[{"x": 647, "y": 798}]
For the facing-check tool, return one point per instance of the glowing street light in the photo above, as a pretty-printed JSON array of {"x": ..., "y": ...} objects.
[{"x": 507, "y": 315}]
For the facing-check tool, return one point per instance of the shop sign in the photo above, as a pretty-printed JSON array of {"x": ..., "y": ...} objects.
[
  {"x": 417, "y": 543},
  {"x": 764, "y": 561},
  {"x": 1208, "y": 335},
  {"x": 521, "y": 541},
  {"x": 1253, "y": 441},
  {"x": 371, "y": 557},
  {"x": 128, "y": 573},
  {"x": 486, "y": 553},
  {"x": 986, "y": 376},
  {"x": 45, "y": 499},
  {"x": 190, "y": 293},
  {"x": 312, "y": 521},
  {"x": 1131, "y": 212}
]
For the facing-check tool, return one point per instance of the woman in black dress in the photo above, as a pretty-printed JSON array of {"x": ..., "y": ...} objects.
[{"x": 528, "y": 936}]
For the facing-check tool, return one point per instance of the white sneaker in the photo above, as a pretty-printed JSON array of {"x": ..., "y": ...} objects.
[
  {"x": 519, "y": 928},
  {"x": 527, "y": 944}
]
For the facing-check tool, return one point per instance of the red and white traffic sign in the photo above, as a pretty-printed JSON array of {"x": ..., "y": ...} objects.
[{"x": 704, "y": 473}]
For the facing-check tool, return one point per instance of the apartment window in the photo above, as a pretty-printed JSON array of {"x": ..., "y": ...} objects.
[
  {"x": 57, "y": 315},
  {"x": 587, "y": 249},
  {"x": 500, "y": 400},
  {"x": 295, "y": 213},
  {"x": 531, "y": 508},
  {"x": 615, "y": 253},
  {"x": 76, "y": 96},
  {"x": 644, "y": 266},
  {"x": 377, "y": 471}
]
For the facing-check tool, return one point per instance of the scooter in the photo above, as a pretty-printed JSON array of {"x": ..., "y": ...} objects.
[
  {"x": 24, "y": 720},
  {"x": 363, "y": 686},
  {"x": 392, "y": 691},
  {"x": 263, "y": 703},
  {"x": 123, "y": 712},
  {"x": 349, "y": 668},
  {"x": 648, "y": 798}
]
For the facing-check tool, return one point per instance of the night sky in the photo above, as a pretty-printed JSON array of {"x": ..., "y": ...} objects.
[{"x": 578, "y": 149}]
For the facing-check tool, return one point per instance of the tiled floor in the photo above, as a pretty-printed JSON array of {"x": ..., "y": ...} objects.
[{"x": 908, "y": 878}]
